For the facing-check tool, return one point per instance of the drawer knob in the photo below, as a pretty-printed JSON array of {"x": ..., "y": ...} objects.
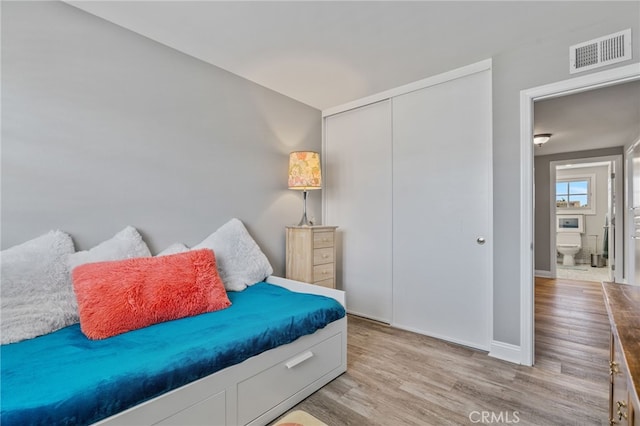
[
  {"x": 298, "y": 359},
  {"x": 324, "y": 256},
  {"x": 613, "y": 368}
]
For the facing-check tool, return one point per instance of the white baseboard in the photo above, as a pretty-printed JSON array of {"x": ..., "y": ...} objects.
[
  {"x": 542, "y": 274},
  {"x": 505, "y": 352}
]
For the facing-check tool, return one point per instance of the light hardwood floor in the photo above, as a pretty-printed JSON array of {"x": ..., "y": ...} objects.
[{"x": 396, "y": 377}]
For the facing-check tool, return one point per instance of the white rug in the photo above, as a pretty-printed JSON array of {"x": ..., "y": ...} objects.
[{"x": 582, "y": 272}]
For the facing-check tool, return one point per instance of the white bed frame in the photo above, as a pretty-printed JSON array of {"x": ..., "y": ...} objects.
[{"x": 257, "y": 390}]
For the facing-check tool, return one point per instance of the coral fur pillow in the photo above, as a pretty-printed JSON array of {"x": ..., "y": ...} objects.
[{"x": 119, "y": 296}]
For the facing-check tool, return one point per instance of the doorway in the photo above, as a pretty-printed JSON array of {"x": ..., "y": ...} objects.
[
  {"x": 527, "y": 97},
  {"x": 590, "y": 189}
]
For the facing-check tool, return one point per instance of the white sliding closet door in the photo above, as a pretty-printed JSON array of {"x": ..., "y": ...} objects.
[
  {"x": 442, "y": 210},
  {"x": 357, "y": 191}
]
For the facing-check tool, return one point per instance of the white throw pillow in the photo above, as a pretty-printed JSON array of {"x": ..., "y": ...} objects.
[
  {"x": 240, "y": 261},
  {"x": 36, "y": 292},
  {"x": 124, "y": 245},
  {"x": 173, "y": 249}
]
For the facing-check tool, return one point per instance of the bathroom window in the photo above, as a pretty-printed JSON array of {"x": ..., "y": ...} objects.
[{"x": 574, "y": 194}]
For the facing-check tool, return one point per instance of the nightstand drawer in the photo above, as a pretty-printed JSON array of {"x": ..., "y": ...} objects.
[
  {"x": 330, "y": 283},
  {"x": 322, "y": 256},
  {"x": 322, "y": 239},
  {"x": 323, "y": 272}
]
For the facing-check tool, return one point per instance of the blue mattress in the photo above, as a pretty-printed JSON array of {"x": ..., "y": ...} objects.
[{"x": 65, "y": 378}]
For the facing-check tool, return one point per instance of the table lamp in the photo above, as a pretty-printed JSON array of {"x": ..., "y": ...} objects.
[{"x": 304, "y": 175}]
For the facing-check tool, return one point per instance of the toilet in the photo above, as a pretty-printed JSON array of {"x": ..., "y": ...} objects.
[
  {"x": 569, "y": 230},
  {"x": 568, "y": 245}
]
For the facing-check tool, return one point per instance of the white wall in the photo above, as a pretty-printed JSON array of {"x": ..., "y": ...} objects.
[{"x": 103, "y": 128}]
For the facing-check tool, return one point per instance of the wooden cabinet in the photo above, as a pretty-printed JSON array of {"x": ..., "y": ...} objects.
[
  {"x": 311, "y": 254},
  {"x": 623, "y": 307}
]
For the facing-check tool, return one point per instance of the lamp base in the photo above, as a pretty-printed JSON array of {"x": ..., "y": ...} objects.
[{"x": 304, "y": 221}]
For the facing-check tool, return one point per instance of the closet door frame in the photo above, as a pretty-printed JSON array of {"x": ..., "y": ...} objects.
[{"x": 484, "y": 65}]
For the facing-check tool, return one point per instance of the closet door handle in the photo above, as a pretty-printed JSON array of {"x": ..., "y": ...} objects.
[{"x": 481, "y": 240}]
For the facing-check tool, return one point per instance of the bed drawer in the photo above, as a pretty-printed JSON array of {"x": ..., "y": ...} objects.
[
  {"x": 211, "y": 411},
  {"x": 270, "y": 387}
]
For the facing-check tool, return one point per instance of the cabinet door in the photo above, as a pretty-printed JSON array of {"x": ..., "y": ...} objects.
[
  {"x": 442, "y": 210},
  {"x": 357, "y": 191}
]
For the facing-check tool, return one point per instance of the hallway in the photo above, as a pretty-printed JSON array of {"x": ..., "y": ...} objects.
[{"x": 572, "y": 329}]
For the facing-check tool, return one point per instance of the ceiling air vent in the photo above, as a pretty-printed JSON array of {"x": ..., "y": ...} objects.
[{"x": 601, "y": 51}]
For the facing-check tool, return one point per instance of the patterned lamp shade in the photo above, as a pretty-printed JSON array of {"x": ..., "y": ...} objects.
[{"x": 304, "y": 170}]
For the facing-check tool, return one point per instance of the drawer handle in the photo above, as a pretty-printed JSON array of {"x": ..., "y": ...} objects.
[
  {"x": 325, "y": 256},
  {"x": 299, "y": 359},
  {"x": 621, "y": 405}
]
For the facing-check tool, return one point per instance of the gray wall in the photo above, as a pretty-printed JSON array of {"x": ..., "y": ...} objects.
[
  {"x": 103, "y": 128},
  {"x": 544, "y": 61},
  {"x": 543, "y": 198}
]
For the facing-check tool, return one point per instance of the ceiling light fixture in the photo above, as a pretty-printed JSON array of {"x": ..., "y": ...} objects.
[{"x": 541, "y": 138}]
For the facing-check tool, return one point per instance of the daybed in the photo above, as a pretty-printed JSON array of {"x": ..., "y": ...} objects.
[
  {"x": 271, "y": 343},
  {"x": 253, "y": 391}
]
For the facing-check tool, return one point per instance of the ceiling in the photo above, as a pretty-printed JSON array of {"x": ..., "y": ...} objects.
[
  {"x": 327, "y": 53},
  {"x": 598, "y": 118}
]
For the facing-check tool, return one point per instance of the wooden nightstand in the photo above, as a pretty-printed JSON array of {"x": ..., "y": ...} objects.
[{"x": 311, "y": 254}]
